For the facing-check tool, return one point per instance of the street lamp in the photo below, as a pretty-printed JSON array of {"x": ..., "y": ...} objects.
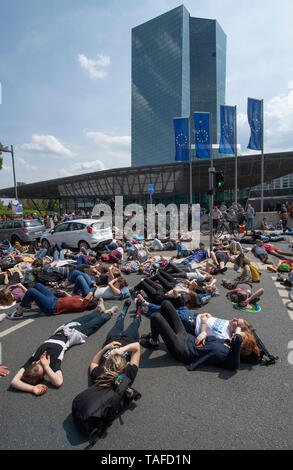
[{"x": 6, "y": 149}]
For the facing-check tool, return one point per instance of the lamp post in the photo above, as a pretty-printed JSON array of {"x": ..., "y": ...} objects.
[{"x": 6, "y": 149}]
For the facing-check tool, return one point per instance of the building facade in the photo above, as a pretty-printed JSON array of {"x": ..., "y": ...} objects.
[{"x": 178, "y": 67}]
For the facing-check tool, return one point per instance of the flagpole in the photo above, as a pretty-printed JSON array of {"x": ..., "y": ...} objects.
[
  {"x": 262, "y": 160},
  {"x": 190, "y": 164},
  {"x": 211, "y": 185},
  {"x": 236, "y": 160}
]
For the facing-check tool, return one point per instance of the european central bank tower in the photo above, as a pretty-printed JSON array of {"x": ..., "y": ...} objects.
[{"x": 178, "y": 67}]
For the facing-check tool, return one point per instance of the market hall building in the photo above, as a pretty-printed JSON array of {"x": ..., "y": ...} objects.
[{"x": 170, "y": 181}]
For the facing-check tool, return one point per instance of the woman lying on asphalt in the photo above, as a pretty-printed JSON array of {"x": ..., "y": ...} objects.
[
  {"x": 47, "y": 359},
  {"x": 52, "y": 305},
  {"x": 120, "y": 354},
  {"x": 243, "y": 296},
  {"x": 184, "y": 348},
  {"x": 115, "y": 289},
  {"x": 179, "y": 297},
  {"x": 191, "y": 320}
]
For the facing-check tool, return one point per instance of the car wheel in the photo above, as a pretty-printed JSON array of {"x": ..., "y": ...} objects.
[
  {"x": 83, "y": 244},
  {"x": 45, "y": 244}
]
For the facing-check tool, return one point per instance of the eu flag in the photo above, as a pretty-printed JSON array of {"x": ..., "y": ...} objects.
[
  {"x": 227, "y": 140},
  {"x": 254, "y": 114},
  {"x": 202, "y": 136},
  {"x": 181, "y": 129}
]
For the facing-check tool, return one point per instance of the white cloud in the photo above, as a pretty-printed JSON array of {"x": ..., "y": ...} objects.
[
  {"x": 278, "y": 122},
  {"x": 26, "y": 165},
  {"x": 48, "y": 143},
  {"x": 109, "y": 141},
  {"x": 95, "y": 165},
  {"x": 63, "y": 172},
  {"x": 95, "y": 67},
  {"x": 82, "y": 167}
]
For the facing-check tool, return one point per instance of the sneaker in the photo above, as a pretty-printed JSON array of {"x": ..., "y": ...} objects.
[
  {"x": 101, "y": 305},
  {"x": 111, "y": 310},
  {"x": 125, "y": 307},
  {"x": 205, "y": 299},
  {"x": 146, "y": 336},
  {"x": 132, "y": 293},
  {"x": 147, "y": 344},
  {"x": 15, "y": 316},
  {"x": 2, "y": 316}
]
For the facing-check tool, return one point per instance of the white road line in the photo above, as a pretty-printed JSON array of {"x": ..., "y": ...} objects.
[{"x": 16, "y": 327}]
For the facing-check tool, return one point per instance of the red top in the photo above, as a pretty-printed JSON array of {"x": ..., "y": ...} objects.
[{"x": 71, "y": 304}]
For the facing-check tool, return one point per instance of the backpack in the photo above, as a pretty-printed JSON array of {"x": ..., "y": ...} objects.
[
  {"x": 254, "y": 359},
  {"x": 94, "y": 409},
  {"x": 284, "y": 267},
  {"x": 44, "y": 277},
  {"x": 255, "y": 274},
  {"x": 140, "y": 254}
]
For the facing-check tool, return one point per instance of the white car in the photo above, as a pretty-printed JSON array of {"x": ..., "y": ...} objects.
[{"x": 79, "y": 233}]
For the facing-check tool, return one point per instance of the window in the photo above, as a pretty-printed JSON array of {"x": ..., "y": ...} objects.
[
  {"x": 17, "y": 224},
  {"x": 32, "y": 223},
  {"x": 62, "y": 228},
  {"x": 77, "y": 226}
]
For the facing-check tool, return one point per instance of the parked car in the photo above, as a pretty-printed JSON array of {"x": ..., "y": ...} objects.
[
  {"x": 78, "y": 233},
  {"x": 24, "y": 230}
]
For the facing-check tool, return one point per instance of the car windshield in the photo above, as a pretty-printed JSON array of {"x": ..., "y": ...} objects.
[
  {"x": 32, "y": 223},
  {"x": 98, "y": 225}
]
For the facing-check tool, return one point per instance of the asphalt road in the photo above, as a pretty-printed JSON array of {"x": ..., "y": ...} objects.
[{"x": 208, "y": 408}]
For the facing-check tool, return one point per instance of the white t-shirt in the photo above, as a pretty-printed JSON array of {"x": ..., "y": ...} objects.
[
  {"x": 195, "y": 275},
  {"x": 214, "y": 327}
]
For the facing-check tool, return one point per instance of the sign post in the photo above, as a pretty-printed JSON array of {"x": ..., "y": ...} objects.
[{"x": 151, "y": 192}]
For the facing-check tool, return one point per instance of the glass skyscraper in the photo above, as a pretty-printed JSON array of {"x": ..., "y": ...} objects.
[{"x": 178, "y": 67}]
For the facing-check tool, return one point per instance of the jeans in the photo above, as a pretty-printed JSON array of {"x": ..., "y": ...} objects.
[
  {"x": 82, "y": 284},
  {"x": 288, "y": 230},
  {"x": 152, "y": 308},
  {"x": 181, "y": 251},
  {"x": 41, "y": 253},
  {"x": 91, "y": 322},
  {"x": 43, "y": 297},
  {"x": 118, "y": 330},
  {"x": 58, "y": 255},
  {"x": 250, "y": 224},
  {"x": 73, "y": 275},
  {"x": 111, "y": 246}
]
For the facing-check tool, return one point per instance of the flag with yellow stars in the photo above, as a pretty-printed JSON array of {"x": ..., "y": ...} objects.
[
  {"x": 202, "y": 139},
  {"x": 254, "y": 114},
  {"x": 181, "y": 131}
]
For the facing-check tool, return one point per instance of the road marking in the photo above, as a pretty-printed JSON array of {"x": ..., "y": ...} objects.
[
  {"x": 284, "y": 294},
  {"x": 16, "y": 327}
]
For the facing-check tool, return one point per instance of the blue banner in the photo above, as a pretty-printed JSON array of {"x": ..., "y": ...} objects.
[
  {"x": 254, "y": 114},
  {"x": 227, "y": 140},
  {"x": 16, "y": 207},
  {"x": 202, "y": 136},
  {"x": 181, "y": 129}
]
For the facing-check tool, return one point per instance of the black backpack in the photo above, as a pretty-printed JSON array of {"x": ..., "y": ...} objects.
[
  {"x": 265, "y": 358},
  {"x": 94, "y": 409}
]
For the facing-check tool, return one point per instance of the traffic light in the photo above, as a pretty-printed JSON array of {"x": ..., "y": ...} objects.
[{"x": 219, "y": 180}]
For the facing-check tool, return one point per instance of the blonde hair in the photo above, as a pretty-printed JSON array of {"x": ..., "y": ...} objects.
[{"x": 113, "y": 367}]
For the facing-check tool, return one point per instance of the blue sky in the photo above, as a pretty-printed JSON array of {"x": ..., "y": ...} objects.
[{"x": 65, "y": 72}]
